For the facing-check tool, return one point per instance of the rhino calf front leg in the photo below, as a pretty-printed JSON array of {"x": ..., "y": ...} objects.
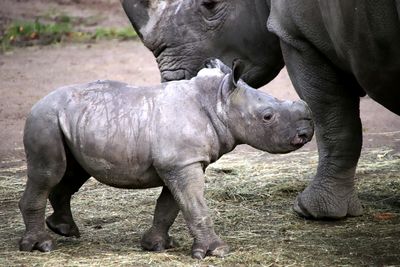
[
  {"x": 187, "y": 187},
  {"x": 157, "y": 238}
]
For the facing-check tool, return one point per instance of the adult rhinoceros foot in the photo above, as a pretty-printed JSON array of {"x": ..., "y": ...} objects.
[
  {"x": 317, "y": 202},
  {"x": 41, "y": 241}
]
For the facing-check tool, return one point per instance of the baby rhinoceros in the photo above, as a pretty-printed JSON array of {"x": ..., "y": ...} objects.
[{"x": 143, "y": 137}]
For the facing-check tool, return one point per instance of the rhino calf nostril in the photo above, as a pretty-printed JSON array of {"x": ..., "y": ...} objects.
[{"x": 302, "y": 133}]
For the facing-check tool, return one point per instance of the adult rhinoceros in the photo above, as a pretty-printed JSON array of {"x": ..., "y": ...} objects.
[{"x": 335, "y": 51}]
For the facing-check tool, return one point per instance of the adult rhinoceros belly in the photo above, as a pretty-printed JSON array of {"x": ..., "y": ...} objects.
[
  {"x": 366, "y": 35},
  {"x": 106, "y": 126}
]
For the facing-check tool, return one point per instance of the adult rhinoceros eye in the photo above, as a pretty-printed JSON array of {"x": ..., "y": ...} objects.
[
  {"x": 213, "y": 12},
  {"x": 209, "y": 4}
]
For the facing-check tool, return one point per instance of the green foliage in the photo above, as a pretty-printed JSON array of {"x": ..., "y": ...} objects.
[
  {"x": 28, "y": 33},
  {"x": 25, "y": 33},
  {"x": 122, "y": 34}
]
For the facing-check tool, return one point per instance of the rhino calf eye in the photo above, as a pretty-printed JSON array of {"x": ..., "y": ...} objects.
[{"x": 267, "y": 117}]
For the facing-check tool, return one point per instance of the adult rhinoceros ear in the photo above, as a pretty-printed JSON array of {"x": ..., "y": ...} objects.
[{"x": 238, "y": 67}]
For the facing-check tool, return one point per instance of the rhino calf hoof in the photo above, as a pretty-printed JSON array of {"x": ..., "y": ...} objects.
[
  {"x": 153, "y": 241},
  {"x": 62, "y": 227},
  {"x": 220, "y": 251},
  {"x": 38, "y": 241},
  {"x": 217, "y": 249}
]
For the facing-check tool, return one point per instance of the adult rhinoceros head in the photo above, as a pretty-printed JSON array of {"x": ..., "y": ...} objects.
[{"x": 182, "y": 34}]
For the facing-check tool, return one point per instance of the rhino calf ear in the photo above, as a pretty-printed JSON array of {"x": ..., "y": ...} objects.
[
  {"x": 209, "y": 63},
  {"x": 215, "y": 63},
  {"x": 238, "y": 67}
]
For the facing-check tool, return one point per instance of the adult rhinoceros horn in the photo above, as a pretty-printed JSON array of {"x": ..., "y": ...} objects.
[{"x": 138, "y": 13}]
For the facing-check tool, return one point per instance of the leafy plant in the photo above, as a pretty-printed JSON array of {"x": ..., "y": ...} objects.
[
  {"x": 107, "y": 33},
  {"x": 27, "y": 33}
]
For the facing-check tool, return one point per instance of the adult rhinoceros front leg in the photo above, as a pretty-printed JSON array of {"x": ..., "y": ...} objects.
[
  {"x": 187, "y": 187},
  {"x": 333, "y": 99}
]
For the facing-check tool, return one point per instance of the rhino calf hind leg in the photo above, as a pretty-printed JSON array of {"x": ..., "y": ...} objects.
[
  {"x": 61, "y": 221},
  {"x": 32, "y": 206},
  {"x": 46, "y": 165},
  {"x": 157, "y": 238}
]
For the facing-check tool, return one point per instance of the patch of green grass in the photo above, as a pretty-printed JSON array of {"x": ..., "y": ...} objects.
[
  {"x": 122, "y": 34},
  {"x": 25, "y": 33},
  {"x": 28, "y": 33}
]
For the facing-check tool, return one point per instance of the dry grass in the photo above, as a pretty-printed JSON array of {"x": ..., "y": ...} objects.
[{"x": 250, "y": 196}]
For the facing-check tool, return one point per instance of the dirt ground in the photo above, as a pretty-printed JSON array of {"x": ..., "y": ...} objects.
[{"x": 28, "y": 74}]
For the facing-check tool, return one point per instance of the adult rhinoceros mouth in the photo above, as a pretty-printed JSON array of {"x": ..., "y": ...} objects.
[
  {"x": 174, "y": 67},
  {"x": 174, "y": 75}
]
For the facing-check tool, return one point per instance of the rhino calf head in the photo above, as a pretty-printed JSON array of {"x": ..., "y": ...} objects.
[{"x": 259, "y": 119}]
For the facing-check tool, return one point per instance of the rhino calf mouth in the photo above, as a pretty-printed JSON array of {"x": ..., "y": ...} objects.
[
  {"x": 302, "y": 137},
  {"x": 298, "y": 142}
]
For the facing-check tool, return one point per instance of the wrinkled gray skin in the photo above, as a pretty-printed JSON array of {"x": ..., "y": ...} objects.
[
  {"x": 143, "y": 137},
  {"x": 335, "y": 51}
]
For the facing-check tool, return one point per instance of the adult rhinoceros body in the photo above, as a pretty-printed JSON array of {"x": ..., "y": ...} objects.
[
  {"x": 142, "y": 137},
  {"x": 335, "y": 51}
]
